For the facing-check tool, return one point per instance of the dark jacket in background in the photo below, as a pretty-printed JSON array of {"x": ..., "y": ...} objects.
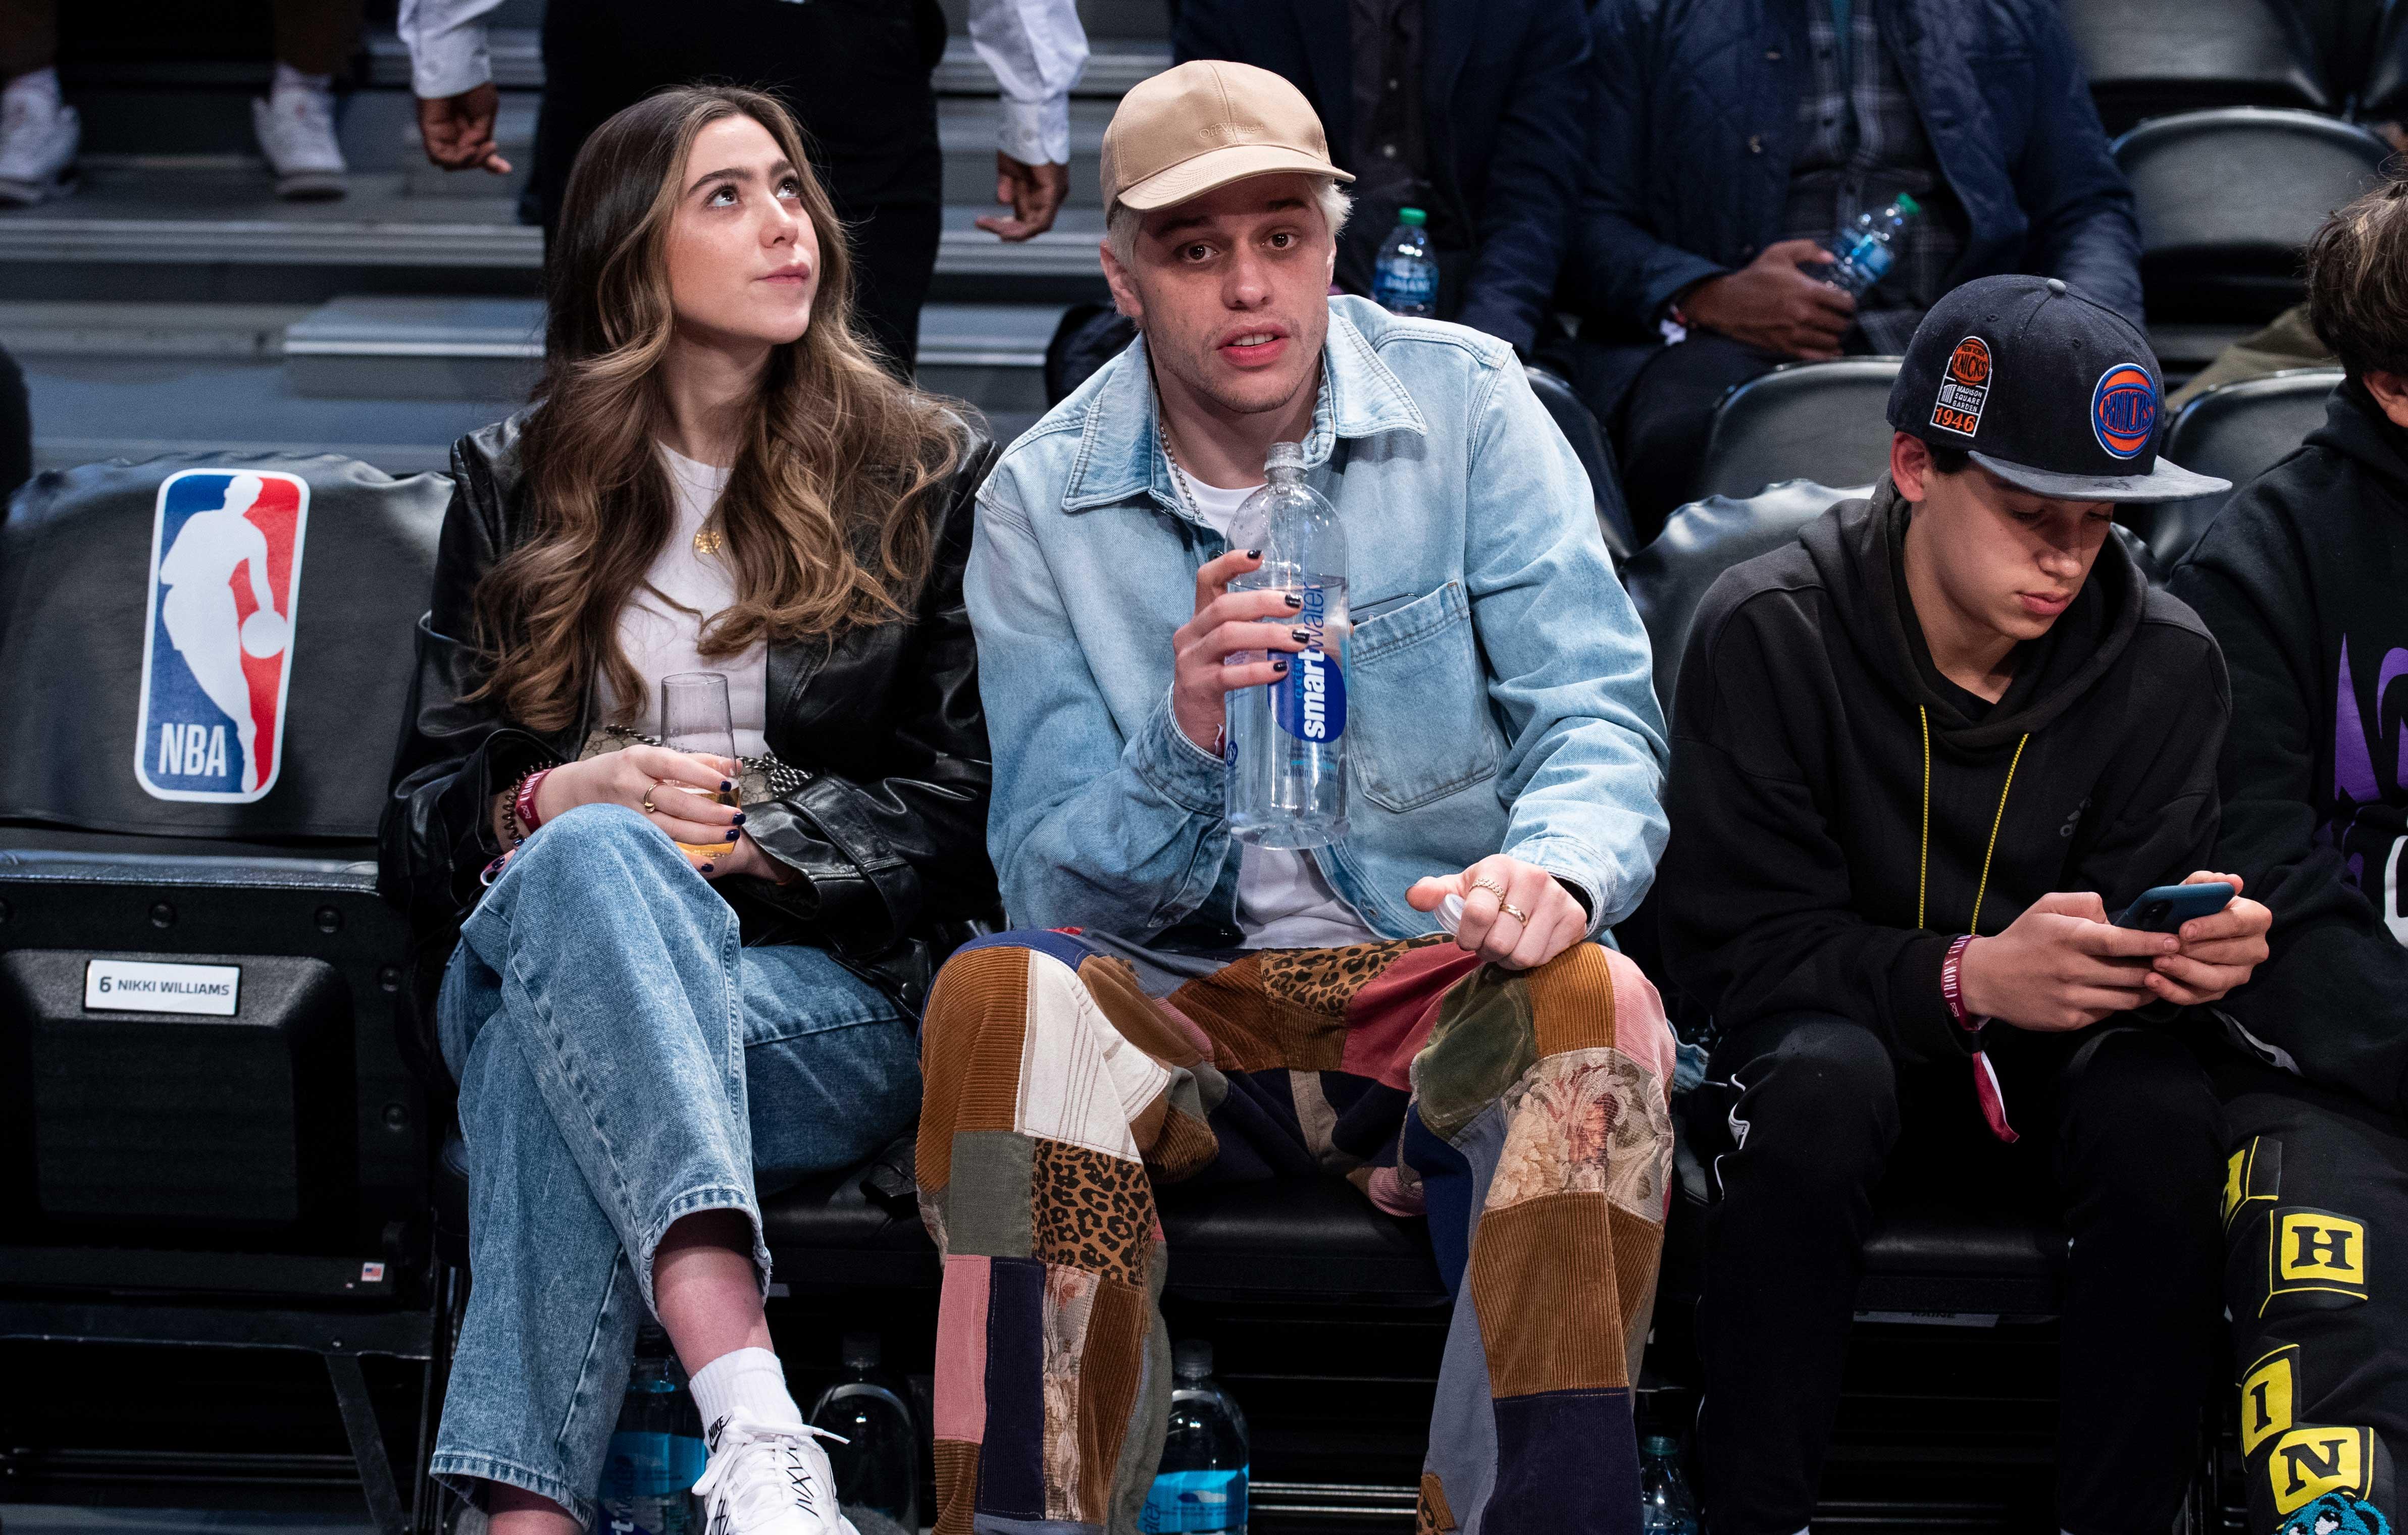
[
  {"x": 1504, "y": 104},
  {"x": 1797, "y": 778},
  {"x": 1695, "y": 124},
  {"x": 2303, "y": 580},
  {"x": 889, "y": 833}
]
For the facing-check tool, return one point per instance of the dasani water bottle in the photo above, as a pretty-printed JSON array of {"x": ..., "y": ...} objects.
[
  {"x": 656, "y": 1452},
  {"x": 1664, "y": 1507},
  {"x": 1404, "y": 278},
  {"x": 1286, "y": 784},
  {"x": 1202, "y": 1482},
  {"x": 1862, "y": 254}
]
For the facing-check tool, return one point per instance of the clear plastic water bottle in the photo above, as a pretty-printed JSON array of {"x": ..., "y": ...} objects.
[
  {"x": 878, "y": 1467},
  {"x": 1202, "y": 1482},
  {"x": 1665, "y": 1506},
  {"x": 656, "y": 1452},
  {"x": 1404, "y": 278},
  {"x": 1862, "y": 254},
  {"x": 1286, "y": 742}
]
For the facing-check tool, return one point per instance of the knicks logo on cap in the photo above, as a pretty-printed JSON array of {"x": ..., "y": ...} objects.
[
  {"x": 1958, "y": 405},
  {"x": 2124, "y": 410},
  {"x": 217, "y": 661}
]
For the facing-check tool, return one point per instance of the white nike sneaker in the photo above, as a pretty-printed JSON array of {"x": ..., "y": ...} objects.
[
  {"x": 766, "y": 1479},
  {"x": 37, "y": 149},
  {"x": 296, "y": 132}
]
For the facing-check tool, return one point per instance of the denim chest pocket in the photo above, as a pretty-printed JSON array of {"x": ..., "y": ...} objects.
[{"x": 1418, "y": 704}]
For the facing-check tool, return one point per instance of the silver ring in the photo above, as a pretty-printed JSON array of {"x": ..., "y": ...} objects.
[{"x": 1517, "y": 913}]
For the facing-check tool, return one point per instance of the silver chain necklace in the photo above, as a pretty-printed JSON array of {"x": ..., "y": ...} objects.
[{"x": 1178, "y": 473}]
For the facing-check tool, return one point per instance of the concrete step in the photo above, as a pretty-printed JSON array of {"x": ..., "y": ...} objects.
[{"x": 1113, "y": 63}]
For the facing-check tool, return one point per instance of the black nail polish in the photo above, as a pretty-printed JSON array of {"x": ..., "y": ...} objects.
[
  {"x": 708, "y": 867},
  {"x": 1280, "y": 666},
  {"x": 1254, "y": 554},
  {"x": 1301, "y": 636},
  {"x": 1295, "y": 600},
  {"x": 738, "y": 820},
  {"x": 725, "y": 786}
]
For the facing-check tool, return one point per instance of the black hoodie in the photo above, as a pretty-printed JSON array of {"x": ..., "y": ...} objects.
[
  {"x": 2304, "y": 580},
  {"x": 1798, "y": 777}
]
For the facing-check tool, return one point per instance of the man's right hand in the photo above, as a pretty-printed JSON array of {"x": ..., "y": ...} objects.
[
  {"x": 1771, "y": 304},
  {"x": 458, "y": 131},
  {"x": 2061, "y": 966},
  {"x": 1226, "y": 621}
]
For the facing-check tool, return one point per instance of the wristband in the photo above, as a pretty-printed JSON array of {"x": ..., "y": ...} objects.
[
  {"x": 522, "y": 816},
  {"x": 1952, "y": 985}
]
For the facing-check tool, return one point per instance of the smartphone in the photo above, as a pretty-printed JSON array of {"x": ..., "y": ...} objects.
[{"x": 2166, "y": 908}]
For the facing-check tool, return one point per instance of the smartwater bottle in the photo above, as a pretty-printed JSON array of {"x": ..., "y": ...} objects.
[
  {"x": 1286, "y": 784},
  {"x": 1202, "y": 1482},
  {"x": 1862, "y": 254},
  {"x": 1664, "y": 1507},
  {"x": 877, "y": 1466},
  {"x": 656, "y": 1452},
  {"x": 1404, "y": 278}
]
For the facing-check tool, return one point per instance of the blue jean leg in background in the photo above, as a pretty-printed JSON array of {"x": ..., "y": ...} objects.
[{"x": 623, "y": 1062}]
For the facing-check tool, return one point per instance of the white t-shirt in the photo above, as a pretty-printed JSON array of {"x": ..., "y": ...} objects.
[
  {"x": 1282, "y": 900},
  {"x": 661, "y": 622}
]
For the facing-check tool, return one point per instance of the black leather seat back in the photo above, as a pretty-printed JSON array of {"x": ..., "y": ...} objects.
[
  {"x": 1821, "y": 421},
  {"x": 131, "y": 651},
  {"x": 2148, "y": 58},
  {"x": 1668, "y": 579},
  {"x": 2236, "y": 432},
  {"x": 2228, "y": 199},
  {"x": 1580, "y": 428},
  {"x": 2382, "y": 97}
]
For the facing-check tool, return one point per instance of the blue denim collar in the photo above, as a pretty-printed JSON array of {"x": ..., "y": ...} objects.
[{"x": 1120, "y": 451}]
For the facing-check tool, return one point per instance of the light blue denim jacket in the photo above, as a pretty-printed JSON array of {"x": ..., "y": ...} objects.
[{"x": 1498, "y": 689}]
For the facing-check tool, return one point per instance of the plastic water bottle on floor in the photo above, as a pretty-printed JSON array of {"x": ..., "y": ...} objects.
[
  {"x": 1664, "y": 1507},
  {"x": 1287, "y": 741},
  {"x": 656, "y": 1452},
  {"x": 1404, "y": 276},
  {"x": 1863, "y": 253},
  {"x": 1202, "y": 1482},
  {"x": 878, "y": 1467}
]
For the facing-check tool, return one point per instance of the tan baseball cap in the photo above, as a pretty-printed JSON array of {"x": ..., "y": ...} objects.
[{"x": 1205, "y": 125}]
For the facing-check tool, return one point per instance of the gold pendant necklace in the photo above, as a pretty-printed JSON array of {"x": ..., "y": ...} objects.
[{"x": 706, "y": 540}]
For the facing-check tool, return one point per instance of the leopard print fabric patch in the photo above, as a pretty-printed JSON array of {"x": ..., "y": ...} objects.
[
  {"x": 1090, "y": 1211},
  {"x": 1324, "y": 980}
]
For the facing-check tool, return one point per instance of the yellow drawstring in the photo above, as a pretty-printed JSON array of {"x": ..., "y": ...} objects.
[{"x": 1923, "y": 871}]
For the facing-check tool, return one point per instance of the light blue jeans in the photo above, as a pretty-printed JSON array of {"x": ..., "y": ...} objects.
[{"x": 625, "y": 1061}]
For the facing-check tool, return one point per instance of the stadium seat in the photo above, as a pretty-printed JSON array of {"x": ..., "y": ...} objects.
[
  {"x": 2236, "y": 432},
  {"x": 2384, "y": 96},
  {"x": 2346, "y": 35},
  {"x": 1580, "y": 428},
  {"x": 1821, "y": 421},
  {"x": 2150, "y": 58},
  {"x": 2228, "y": 199},
  {"x": 199, "y": 986}
]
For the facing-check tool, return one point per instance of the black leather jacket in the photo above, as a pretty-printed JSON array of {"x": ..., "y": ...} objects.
[{"x": 889, "y": 832}]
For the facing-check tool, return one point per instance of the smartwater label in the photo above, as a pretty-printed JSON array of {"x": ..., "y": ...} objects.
[
  {"x": 136, "y": 986},
  {"x": 1186, "y": 1500},
  {"x": 1310, "y": 702}
]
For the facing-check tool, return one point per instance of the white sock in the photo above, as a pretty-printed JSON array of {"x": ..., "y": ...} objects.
[
  {"x": 751, "y": 1383},
  {"x": 289, "y": 79},
  {"x": 39, "y": 89}
]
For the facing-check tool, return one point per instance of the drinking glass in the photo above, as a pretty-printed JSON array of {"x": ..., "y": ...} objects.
[{"x": 694, "y": 717}]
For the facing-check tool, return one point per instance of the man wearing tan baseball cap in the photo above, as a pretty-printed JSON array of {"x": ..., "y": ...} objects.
[{"x": 1177, "y": 1005}]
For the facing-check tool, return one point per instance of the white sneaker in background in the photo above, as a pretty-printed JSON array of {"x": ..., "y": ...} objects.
[
  {"x": 768, "y": 1480},
  {"x": 38, "y": 135},
  {"x": 295, "y": 124}
]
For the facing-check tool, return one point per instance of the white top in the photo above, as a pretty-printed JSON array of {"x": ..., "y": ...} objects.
[
  {"x": 1283, "y": 902},
  {"x": 662, "y": 623},
  {"x": 1036, "y": 48}
]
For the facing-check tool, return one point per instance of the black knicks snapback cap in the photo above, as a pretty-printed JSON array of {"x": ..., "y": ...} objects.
[{"x": 2051, "y": 391}]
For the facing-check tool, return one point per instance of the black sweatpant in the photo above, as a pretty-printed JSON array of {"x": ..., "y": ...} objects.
[
  {"x": 2120, "y": 1140},
  {"x": 856, "y": 73},
  {"x": 2315, "y": 1201}
]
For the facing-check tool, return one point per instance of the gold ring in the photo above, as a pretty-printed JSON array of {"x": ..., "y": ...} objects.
[
  {"x": 650, "y": 808},
  {"x": 1484, "y": 883},
  {"x": 1517, "y": 913}
]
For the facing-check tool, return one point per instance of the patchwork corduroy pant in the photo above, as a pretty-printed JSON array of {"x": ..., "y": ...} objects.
[{"x": 1524, "y": 1112}]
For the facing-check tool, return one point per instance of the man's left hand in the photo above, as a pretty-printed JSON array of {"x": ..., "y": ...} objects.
[
  {"x": 2218, "y": 952},
  {"x": 1550, "y": 921},
  {"x": 1036, "y": 194}
]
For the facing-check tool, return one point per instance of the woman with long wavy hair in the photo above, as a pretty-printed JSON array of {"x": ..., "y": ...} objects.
[{"x": 655, "y": 1002}]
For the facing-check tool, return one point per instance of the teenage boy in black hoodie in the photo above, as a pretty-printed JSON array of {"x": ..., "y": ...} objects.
[
  {"x": 1957, "y": 710},
  {"x": 2304, "y": 580}
]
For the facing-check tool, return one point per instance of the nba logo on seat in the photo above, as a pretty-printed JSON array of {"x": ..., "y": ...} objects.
[{"x": 217, "y": 661}]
